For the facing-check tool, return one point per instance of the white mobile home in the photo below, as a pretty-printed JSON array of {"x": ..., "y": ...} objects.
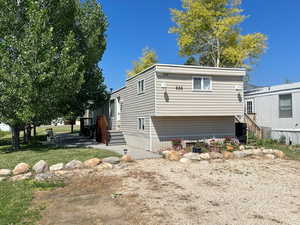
[
  {"x": 165, "y": 102},
  {"x": 277, "y": 108},
  {"x": 4, "y": 127}
]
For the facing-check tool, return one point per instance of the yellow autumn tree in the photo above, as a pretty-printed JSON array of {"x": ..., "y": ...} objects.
[
  {"x": 209, "y": 34},
  {"x": 148, "y": 58}
]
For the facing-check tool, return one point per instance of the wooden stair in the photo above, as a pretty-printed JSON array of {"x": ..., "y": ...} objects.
[{"x": 253, "y": 127}]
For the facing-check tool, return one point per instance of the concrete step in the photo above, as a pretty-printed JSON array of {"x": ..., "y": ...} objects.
[{"x": 116, "y": 138}]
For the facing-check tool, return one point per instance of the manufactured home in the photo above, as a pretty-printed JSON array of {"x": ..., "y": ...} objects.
[
  {"x": 167, "y": 102},
  {"x": 4, "y": 127},
  {"x": 277, "y": 109}
]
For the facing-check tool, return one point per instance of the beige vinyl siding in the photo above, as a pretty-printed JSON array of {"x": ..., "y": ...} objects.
[
  {"x": 138, "y": 105},
  {"x": 222, "y": 100},
  {"x": 189, "y": 128}
]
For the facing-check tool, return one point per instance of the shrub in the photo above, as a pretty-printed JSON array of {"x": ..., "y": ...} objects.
[{"x": 176, "y": 144}]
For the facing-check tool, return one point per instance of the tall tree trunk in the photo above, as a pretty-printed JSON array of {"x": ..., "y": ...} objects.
[
  {"x": 72, "y": 128},
  {"x": 27, "y": 134},
  {"x": 15, "y": 131},
  {"x": 34, "y": 130}
]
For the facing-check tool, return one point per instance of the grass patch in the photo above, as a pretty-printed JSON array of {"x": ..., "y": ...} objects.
[
  {"x": 15, "y": 201},
  {"x": 52, "y": 155}
]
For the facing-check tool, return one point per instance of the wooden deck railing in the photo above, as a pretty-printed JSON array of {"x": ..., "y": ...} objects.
[{"x": 253, "y": 127}]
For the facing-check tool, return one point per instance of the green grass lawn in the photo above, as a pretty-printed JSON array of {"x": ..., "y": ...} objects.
[{"x": 16, "y": 197}]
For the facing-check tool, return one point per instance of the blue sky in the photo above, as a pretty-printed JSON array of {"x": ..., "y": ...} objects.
[{"x": 135, "y": 24}]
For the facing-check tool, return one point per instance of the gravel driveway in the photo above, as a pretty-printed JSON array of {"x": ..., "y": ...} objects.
[{"x": 156, "y": 191}]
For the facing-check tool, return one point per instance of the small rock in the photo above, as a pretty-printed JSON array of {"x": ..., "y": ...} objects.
[
  {"x": 239, "y": 154},
  {"x": 174, "y": 156},
  {"x": 92, "y": 162},
  {"x": 228, "y": 155},
  {"x": 192, "y": 156},
  {"x": 74, "y": 164},
  {"x": 41, "y": 167},
  {"x": 103, "y": 166},
  {"x": 21, "y": 168},
  {"x": 21, "y": 177},
  {"x": 56, "y": 167},
  {"x": 3, "y": 178},
  {"x": 215, "y": 155},
  {"x": 268, "y": 151},
  {"x": 185, "y": 160},
  {"x": 279, "y": 154},
  {"x": 127, "y": 158},
  {"x": 44, "y": 176},
  {"x": 270, "y": 156},
  {"x": 205, "y": 156},
  {"x": 5, "y": 172},
  {"x": 111, "y": 160},
  {"x": 242, "y": 147}
]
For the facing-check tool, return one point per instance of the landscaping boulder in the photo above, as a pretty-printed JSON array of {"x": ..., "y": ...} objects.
[
  {"x": 215, "y": 155},
  {"x": 41, "y": 167},
  {"x": 21, "y": 177},
  {"x": 165, "y": 153},
  {"x": 3, "y": 178},
  {"x": 228, "y": 155},
  {"x": 44, "y": 176},
  {"x": 5, "y": 172},
  {"x": 192, "y": 156},
  {"x": 21, "y": 168},
  {"x": 268, "y": 151},
  {"x": 103, "y": 166},
  {"x": 256, "y": 152},
  {"x": 174, "y": 156},
  {"x": 185, "y": 160},
  {"x": 270, "y": 156},
  {"x": 279, "y": 154},
  {"x": 56, "y": 167},
  {"x": 92, "y": 162},
  {"x": 74, "y": 164},
  {"x": 112, "y": 160},
  {"x": 240, "y": 154},
  {"x": 205, "y": 156},
  {"x": 242, "y": 147},
  {"x": 127, "y": 158}
]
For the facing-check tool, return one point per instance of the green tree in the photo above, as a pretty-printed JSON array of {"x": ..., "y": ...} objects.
[
  {"x": 209, "y": 30},
  {"x": 43, "y": 57},
  {"x": 148, "y": 58}
]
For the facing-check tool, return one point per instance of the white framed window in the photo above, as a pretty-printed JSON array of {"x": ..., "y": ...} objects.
[
  {"x": 141, "y": 123},
  {"x": 202, "y": 84},
  {"x": 249, "y": 107},
  {"x": 285, "y": 106},
  {"x": 141, "y": 86}
]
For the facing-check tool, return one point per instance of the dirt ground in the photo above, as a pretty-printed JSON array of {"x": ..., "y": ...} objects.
[{"x": 153, "y": 192}]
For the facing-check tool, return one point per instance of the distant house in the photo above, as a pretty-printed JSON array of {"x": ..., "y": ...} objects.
[
  {"x": 4, "y": 127},
  {"x": 276, "y": 108},
  {"x": 167, "y": 102}
]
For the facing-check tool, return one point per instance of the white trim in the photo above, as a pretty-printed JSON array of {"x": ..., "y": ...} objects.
[
  {"x": 202, "y": 84},
  {"x": 286, "y": 130}
]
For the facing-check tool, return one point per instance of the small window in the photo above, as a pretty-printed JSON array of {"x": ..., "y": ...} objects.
[
  {"x": 249, "y": 107},
  {"x": 285, "y": 106},
  {"x": 141, "y": 124},
  {"x": 202, "y": 84},
  {"x": 141, "y": 86}
]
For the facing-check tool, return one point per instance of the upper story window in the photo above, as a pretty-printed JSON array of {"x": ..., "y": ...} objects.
[
  {"x": 249, "y": 107},
  {"x": 285, "y": 106},
  {"x": 202, "y": 84},
  {"x": 141, "y": 86},
  {"x": 141, "y": 124}
]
